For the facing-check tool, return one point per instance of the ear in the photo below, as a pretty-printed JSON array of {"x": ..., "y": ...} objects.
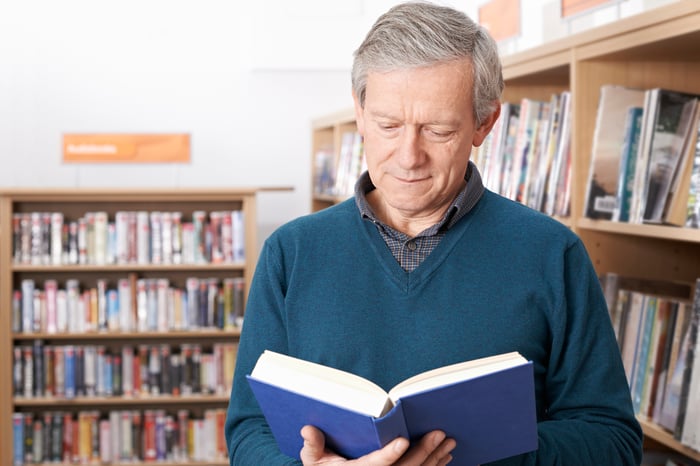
[
  {"x": 483, "y": 130},
  {"x": 359, "y": 115}
]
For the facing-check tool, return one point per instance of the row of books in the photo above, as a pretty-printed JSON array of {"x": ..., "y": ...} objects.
[
  {"x": 657, "y": 331},
  {"x": 89, "y": 437},
  {"x": 132, "y": 237},
  {"x": 645, "y": 159},
  {"x": 526, "y": 156},
  {"x": 132, "y": 304},
  {"x": 336, "y": 174},
  {"x": 73, "y": 371}
]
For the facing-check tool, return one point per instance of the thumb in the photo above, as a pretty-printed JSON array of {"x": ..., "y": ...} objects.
[
  {"x": 314, "y": 445},
  {"x": 390, "y": 454}
]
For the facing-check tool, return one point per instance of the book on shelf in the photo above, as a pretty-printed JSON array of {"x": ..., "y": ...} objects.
[
  {"x": 533, "y": 113},
  {"x": 324, "y": 171},
  {"x": 628, "y": 164},
  {"x": 693, "y": 206},
  {"x": 349, "y": 164},
  {"x": 159, "y": 305},
  {"x": 558, "y": 195},
  {"x": 689, "y": 420},
  {"x": 132, "y": 237},
  {"x": 608, "y": 138},
  {"x": 661, "y": 158},
  {"x": 653, "y": 321},
  {"x": 543, "y": 165},
  {"x": 119, "y": 436},
  {"x": 670, "y": 409},
  {"x": 497, "y": 157},
  {"x": 487, "y": 405},
  {"x": 676, "y": 206},
  {"x": 60, "y": 372}
]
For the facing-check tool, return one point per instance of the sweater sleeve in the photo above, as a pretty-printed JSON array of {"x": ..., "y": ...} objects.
[
  {"x": 248, "y": 436},
  {"x": 589, "y": 418}
]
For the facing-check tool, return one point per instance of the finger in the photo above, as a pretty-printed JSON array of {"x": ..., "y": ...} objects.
[
  {"x": 433, "y": 449},
  {"x": 314, "y": 445}
]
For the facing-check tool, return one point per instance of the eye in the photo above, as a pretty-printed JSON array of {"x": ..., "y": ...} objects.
[
  {"x": 438, "y": 133},
  {"x": 387, "y": 126}
]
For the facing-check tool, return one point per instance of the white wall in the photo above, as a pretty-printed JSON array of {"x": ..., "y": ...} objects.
[{"x": 244, "y": 80}]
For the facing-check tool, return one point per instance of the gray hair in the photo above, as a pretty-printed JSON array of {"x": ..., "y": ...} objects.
[{"x": 416, "y": 34}]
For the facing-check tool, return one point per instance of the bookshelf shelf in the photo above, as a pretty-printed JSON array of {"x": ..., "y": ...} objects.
[
  {"x": 657, "y": 48},
  {"x": 665, "y": 438},
  {"x": 114, "y": 268},
  {"x": 117, "y": 401},
  {"x": 667, "y": 233},
  {"x": 73, "y": 204},
  {"x": 222, "y": 462},
  {"x": 195, "y": 334}
]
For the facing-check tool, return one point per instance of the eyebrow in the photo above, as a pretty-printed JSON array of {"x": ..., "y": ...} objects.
[{"x": 375, "y": 115}]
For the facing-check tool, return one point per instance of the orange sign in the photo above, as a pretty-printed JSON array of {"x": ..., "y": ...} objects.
[
  {"x": 571, "y": 7},
  {"x": 501, "y": 18},
  {"x": 129, "y": 148}
]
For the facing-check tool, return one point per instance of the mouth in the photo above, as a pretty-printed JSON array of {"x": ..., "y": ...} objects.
[{"x": 413, "y": 180}]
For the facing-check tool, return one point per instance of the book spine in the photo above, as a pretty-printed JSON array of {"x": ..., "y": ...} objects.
[
  {"x": 107, "y": 374},
  {"x": 70, "y": 371},
  {"x": 18, "y": 439},
  {"x": 149, "y": 435},
  {"x": 127, "y": 359},
  {"x": 59, "y": 371},
  {"x": 162, "y": 305},
  {"x": 126, "y": 440},
  {"x": 61, "y": 311},
  {"x": 28, "y": 376},
  {"x": 50, "y": 295},
  {"x": 56, "y": 248},
  {"x": 38, "y": 356},
  {"x": 238, "y": 235},
  {"x": 105, "y": 441},
  {"x": 17, "y": 325},
  {"x": 156, "y": 237},
  {"x": 142, "y": 237},
  {"x": 49, "y": 371},
  {"x": 177, "y": 237},
  {"x": 167, "y": 237},
  {"x": 199, "y": 242},
  {"x": 102, "y": 315},
  {"x": 17, "y": 371},
  {"x": 151, "y": 304},
  {"x": 28, "y": 305},
  {"x": 123, "y": 305}
]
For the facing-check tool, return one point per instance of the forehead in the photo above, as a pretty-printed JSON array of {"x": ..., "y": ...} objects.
[{"x": 438, "y": 87}]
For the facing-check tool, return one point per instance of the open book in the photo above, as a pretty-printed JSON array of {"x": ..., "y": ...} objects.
[{"x": 487, "y": 405}]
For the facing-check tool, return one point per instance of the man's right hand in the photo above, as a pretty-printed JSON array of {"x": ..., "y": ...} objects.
[{"x": 433, "y": 450}]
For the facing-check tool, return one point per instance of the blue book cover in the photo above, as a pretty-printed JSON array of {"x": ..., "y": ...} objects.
[
  {"x": 491, "y": 416},
  {"x": 69, "y": 371},
  {"x": 18, "y": 439}
]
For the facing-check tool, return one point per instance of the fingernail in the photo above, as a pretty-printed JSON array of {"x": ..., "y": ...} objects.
[
  {"x": 438, "y": 438},
  {"x": 400, "y": 445}
]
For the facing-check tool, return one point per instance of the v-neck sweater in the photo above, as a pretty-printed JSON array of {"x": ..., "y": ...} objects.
[{"x": 504, "y": 278}]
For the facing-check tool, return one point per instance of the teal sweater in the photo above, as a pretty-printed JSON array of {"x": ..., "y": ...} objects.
[{"x": 504, "y": 278}]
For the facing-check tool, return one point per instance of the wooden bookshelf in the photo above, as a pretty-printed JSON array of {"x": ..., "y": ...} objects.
[
  {"x": 657, "y": 48},
  {"x": 326, "y": 134},
  {"x": 74, "y": 203}
]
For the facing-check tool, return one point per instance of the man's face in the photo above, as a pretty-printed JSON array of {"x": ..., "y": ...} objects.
[{"x": 418, "y": 129}]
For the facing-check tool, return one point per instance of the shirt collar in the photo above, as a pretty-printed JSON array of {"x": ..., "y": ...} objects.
[{"x": 465, "y": 200}]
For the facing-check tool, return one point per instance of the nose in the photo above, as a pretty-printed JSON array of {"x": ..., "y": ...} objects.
[{"x": 410, "y": 152}]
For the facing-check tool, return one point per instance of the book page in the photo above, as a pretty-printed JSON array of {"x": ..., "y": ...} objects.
[
  {"x": 321, "y": 382},
  {"x": 453, "y": 373}
]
